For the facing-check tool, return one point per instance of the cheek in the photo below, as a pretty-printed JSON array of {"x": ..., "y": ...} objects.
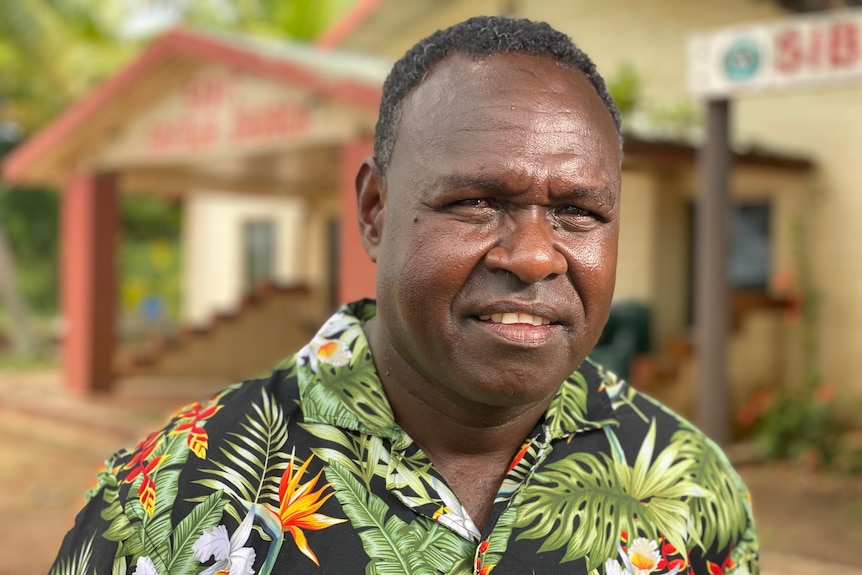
[
  {"x": 594, "y": 264},
  {"x": 439, "y": 261}
]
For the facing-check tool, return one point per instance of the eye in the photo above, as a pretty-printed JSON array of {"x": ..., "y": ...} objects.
[
  {"x": 572, "y": 211},
  {"x": 478, "y": 203},
  {"x": 574, "y": 216},
  {"x": 474, "y": 209}
]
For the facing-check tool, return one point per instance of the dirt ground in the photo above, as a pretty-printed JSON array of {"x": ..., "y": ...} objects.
[
  {"x": 43, "y": 480},
  {"x": 808, "y": 523}
]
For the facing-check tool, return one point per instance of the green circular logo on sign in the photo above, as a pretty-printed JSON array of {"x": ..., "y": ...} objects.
[{"x": 742, "y": 59}]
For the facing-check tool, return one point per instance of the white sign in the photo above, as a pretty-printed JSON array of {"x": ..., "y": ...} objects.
[
  {"x": 806, "y": 50},
  {"x": 221, "y": 111}
]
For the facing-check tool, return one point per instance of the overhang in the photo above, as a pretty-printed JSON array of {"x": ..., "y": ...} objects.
[{"x": 336, "y": 92}]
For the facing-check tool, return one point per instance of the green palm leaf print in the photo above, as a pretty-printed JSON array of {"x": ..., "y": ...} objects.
[
  {"x": 354, "y": 387},
  {"x": 156, "y": 528},
  {"x": 385, "y": 540},
  {"x": 438, "y": 546},
  {"x": 569, "y": 407},
  {"x": 583, "y": 503},
  {"x": 252, "y": 462},
  {"x": 120, "y": 528},
  {"x": 77, "y": 564},
  {"x": 363, "y": 455},
  {"x": 394, "y": 547},
  {"x": 719, "y": 517},
  {"x": 203, "y": 516}
]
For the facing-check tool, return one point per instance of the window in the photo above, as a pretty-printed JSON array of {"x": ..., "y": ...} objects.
[
  {"x": 749, "y": 261},
  {"x": 259, "y": 237},
  {"x": 750, "y": 265}
]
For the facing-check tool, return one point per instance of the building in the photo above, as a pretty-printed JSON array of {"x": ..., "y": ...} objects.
[{"x": 795, "y": 161}]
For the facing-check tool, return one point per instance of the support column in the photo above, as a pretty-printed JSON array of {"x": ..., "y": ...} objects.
[
  {"x": 711, "y": 296},
  {"x": 89, "y": 236},
  {"x": 357, "y": 275}
]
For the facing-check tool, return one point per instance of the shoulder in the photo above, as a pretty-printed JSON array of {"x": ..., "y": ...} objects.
[
  {"x": 219, "y": 415},
  {"x": 671, "y": 464},
  {"x": 209, "y": 460},
  {"x": 637, "y": 415}
]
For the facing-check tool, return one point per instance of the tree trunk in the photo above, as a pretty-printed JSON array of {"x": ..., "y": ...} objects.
[{"x": 22, "y": 338}]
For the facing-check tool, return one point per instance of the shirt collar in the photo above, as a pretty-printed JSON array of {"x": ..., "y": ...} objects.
[{"x": 339, "y": 385}]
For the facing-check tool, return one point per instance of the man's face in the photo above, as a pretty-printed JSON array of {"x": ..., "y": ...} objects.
[{"x": 495, "y": 230}]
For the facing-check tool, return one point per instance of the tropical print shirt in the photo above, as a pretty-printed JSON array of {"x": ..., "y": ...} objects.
[{"x": 306, "y": 471}]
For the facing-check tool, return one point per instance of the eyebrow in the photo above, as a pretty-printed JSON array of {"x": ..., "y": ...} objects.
[
  {"x": 484, "y": 182},
  {"x": 492, "y": 183}
]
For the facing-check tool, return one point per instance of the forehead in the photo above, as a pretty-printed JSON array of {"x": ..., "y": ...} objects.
[{"x": 507, "y": 106}]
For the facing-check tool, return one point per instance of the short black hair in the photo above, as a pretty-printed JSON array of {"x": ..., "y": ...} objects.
[{"x": 478, "y": 37}]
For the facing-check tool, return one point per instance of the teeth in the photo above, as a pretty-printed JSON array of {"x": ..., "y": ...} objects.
[{"x": 513, "y": 317}]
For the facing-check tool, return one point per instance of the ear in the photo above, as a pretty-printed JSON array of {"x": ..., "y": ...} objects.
[{"x": 371, "y": 206}]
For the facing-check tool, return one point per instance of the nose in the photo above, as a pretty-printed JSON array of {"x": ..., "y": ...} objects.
[{"x": 528, "y": 249}]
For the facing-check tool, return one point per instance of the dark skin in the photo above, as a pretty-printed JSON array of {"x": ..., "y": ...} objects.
[{"x": 495, "y": 232}]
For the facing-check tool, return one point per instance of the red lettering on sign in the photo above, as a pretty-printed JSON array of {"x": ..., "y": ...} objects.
[
  {"x": 276, "y": 120},
  {"x": 815, "y": 56},
  {"x": 843, "y": 45},
  {"x": 205, "y": 93},
  {"x": 788, "y": 51},
  {"x": 187, "y": 134},
  {"x": 817, "y": 49}
]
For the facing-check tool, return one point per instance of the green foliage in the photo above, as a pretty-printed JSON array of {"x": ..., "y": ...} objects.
[
  {"x": 800, "y": 422},
  {"x": 149, "y": 249},
  {"x": 300, "y": 19},
  {"x": 150, "y": 255},
  {"x": 800, "y": 427},
  {"x": 625, "y": 88},
  {"x": 30, "y": 219},
  {"x": 51, "y": 51},
  {"x": 147, "y": 218}
]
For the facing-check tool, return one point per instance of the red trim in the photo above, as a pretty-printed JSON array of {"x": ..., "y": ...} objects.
[
  {"x": 180, "y": 42},
  {"x": 350, "y": 21}
]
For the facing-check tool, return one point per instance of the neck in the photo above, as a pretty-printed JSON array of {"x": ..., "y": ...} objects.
[
  {"x": 439, "y": 420},
  {"x": 471, "y": 444}
]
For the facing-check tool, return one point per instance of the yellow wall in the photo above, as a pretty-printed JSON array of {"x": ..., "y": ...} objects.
[
  {"x": 214, "y": 277},
  {"x": 824, "y": 125},
  {"x": 637, "y": 238}
]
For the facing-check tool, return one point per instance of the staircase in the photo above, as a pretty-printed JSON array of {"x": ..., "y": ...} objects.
[{"x": 268, "y": 325}]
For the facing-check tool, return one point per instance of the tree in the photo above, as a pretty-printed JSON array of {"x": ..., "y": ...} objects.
[{"x": 52, "y": 52}]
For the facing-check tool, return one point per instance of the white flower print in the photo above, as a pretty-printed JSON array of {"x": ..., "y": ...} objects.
[
  {"x": 145, "y": 566},
  {"x": 230, "y": 554}
]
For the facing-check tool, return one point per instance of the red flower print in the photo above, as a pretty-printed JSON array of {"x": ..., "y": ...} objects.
[
  {"x": 140, "y": 464},
  {"x": 197, "y": 439}
]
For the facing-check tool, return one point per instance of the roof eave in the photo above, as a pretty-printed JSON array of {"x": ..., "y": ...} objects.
[{"x": 22, "y": 165}]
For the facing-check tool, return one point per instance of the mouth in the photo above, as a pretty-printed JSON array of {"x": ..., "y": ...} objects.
[
  {"x": 521, "y": 328},
  {"x": 511, "y": 318}
]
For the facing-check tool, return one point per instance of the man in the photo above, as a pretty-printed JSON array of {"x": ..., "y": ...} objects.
[{"x": 455, "y": 426}]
